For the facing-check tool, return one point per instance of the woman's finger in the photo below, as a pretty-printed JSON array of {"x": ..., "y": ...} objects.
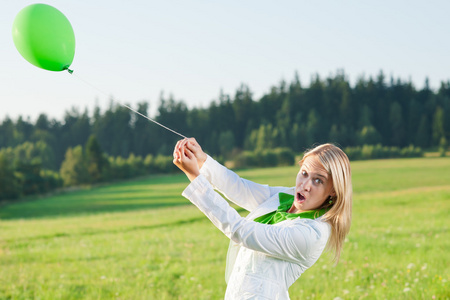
[
  {"x": 195, "y": 148},
  {"x": 184, "y": 143},
  {"x": 192, "y": 146},
  {"x": 183, "y": 153},
  {"x": 178, "y": 145},
  {"x": 175, "y": 152},
  {"x": 181, "y": 142},
  {"x": 194, "y": 141},
  {"x": 189, "y": 153}
]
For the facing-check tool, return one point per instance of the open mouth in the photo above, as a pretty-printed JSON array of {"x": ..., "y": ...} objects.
[{"x": 300, "y": 198}]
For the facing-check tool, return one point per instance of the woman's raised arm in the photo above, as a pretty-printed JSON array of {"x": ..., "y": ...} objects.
[{"x": 245, "y": 193}]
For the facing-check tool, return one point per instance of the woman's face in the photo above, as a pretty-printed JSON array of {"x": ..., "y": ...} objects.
[{"x": 313, "y": 186}]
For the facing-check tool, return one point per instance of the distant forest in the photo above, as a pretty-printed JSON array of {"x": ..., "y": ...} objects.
[{"x": 389, "y": 112}]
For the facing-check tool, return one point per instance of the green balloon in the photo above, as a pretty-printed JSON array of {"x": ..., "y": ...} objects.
[{"x": 44, "y": 37}]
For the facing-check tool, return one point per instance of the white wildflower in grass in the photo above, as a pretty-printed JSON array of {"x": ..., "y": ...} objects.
[
  {"x": 346, "y": 292},
  {"x": 424, "y": 267},
  {"x": 337, "y": 298},
  {"x": 103, "y": 277},
  {"x": 410, "y": 266},
  {"x": 406, "y": 290}
]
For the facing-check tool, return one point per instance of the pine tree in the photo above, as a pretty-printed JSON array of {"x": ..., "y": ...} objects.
[
  {"x": 7, "y": 133},
  {"x": 312, "y": 128},
  {"x": 423, "y": 133},
  {"x": 11, "y": 188},
  {"x": 95, "y": 160},
  {"x": 438, "y": 126},
  {"x": 226, "y": 142},
  {"x": 244, "y": 112},
  {"x": 397, "y": 125}
]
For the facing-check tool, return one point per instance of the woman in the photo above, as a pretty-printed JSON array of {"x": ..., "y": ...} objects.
[{"x": 287, "y": 228}]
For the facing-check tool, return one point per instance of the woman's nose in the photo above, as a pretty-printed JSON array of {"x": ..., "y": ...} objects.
[{"x": 306, "y": 185}]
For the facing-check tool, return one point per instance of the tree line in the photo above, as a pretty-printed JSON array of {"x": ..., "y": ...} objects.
[{"x": 374, "y": 111}]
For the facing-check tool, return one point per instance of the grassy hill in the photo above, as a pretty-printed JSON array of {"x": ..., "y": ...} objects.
[{"x": 142, "y": 240}]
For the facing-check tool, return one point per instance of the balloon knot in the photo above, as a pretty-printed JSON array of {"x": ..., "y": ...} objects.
[{"x": 69, "y": 70}]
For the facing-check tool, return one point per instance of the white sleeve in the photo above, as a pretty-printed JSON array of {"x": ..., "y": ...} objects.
[
  {"x": 291, "y": 243},
  {"x": 243, "y": 192}
]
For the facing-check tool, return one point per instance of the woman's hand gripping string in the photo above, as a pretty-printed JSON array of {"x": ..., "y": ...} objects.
[
  {"x": 196, "y": 149},
  {"x": 186, "y": 160}
]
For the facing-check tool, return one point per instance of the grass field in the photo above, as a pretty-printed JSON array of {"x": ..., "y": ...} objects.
[{"x": 142, "y": 240}]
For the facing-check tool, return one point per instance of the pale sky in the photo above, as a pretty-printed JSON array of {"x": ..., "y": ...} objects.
[{"x": 132, "y": 50}]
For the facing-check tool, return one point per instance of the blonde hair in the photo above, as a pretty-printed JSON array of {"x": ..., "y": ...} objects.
[{"x": 339, "y": 214}]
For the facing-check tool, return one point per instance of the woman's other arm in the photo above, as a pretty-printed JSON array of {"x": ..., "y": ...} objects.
[{"x": 298, "y": 243}]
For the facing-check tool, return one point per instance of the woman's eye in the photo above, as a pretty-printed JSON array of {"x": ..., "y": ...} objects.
[
  {"x": 318, "y": 181},
  {"x": 304, "y": 173}
]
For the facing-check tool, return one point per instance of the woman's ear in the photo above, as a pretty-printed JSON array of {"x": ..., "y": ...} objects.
[{"x": 332, "y": 193}]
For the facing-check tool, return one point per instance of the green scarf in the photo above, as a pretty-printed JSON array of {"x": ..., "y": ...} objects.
[{"x": 281, "y": 213}]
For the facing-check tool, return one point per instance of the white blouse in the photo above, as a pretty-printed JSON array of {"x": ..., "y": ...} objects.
[{"x": 263, "y": 260}]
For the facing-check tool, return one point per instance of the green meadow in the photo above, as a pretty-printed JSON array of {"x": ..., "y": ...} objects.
[{"x": 142, "y": 240}]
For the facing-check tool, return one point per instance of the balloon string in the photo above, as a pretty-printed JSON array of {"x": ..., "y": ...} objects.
[
  {"x": 126, "y": 106},
  {"x": 135, "y": 111}
]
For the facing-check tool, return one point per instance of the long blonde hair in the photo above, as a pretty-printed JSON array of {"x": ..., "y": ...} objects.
[{"x": 339, "y": 214}]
